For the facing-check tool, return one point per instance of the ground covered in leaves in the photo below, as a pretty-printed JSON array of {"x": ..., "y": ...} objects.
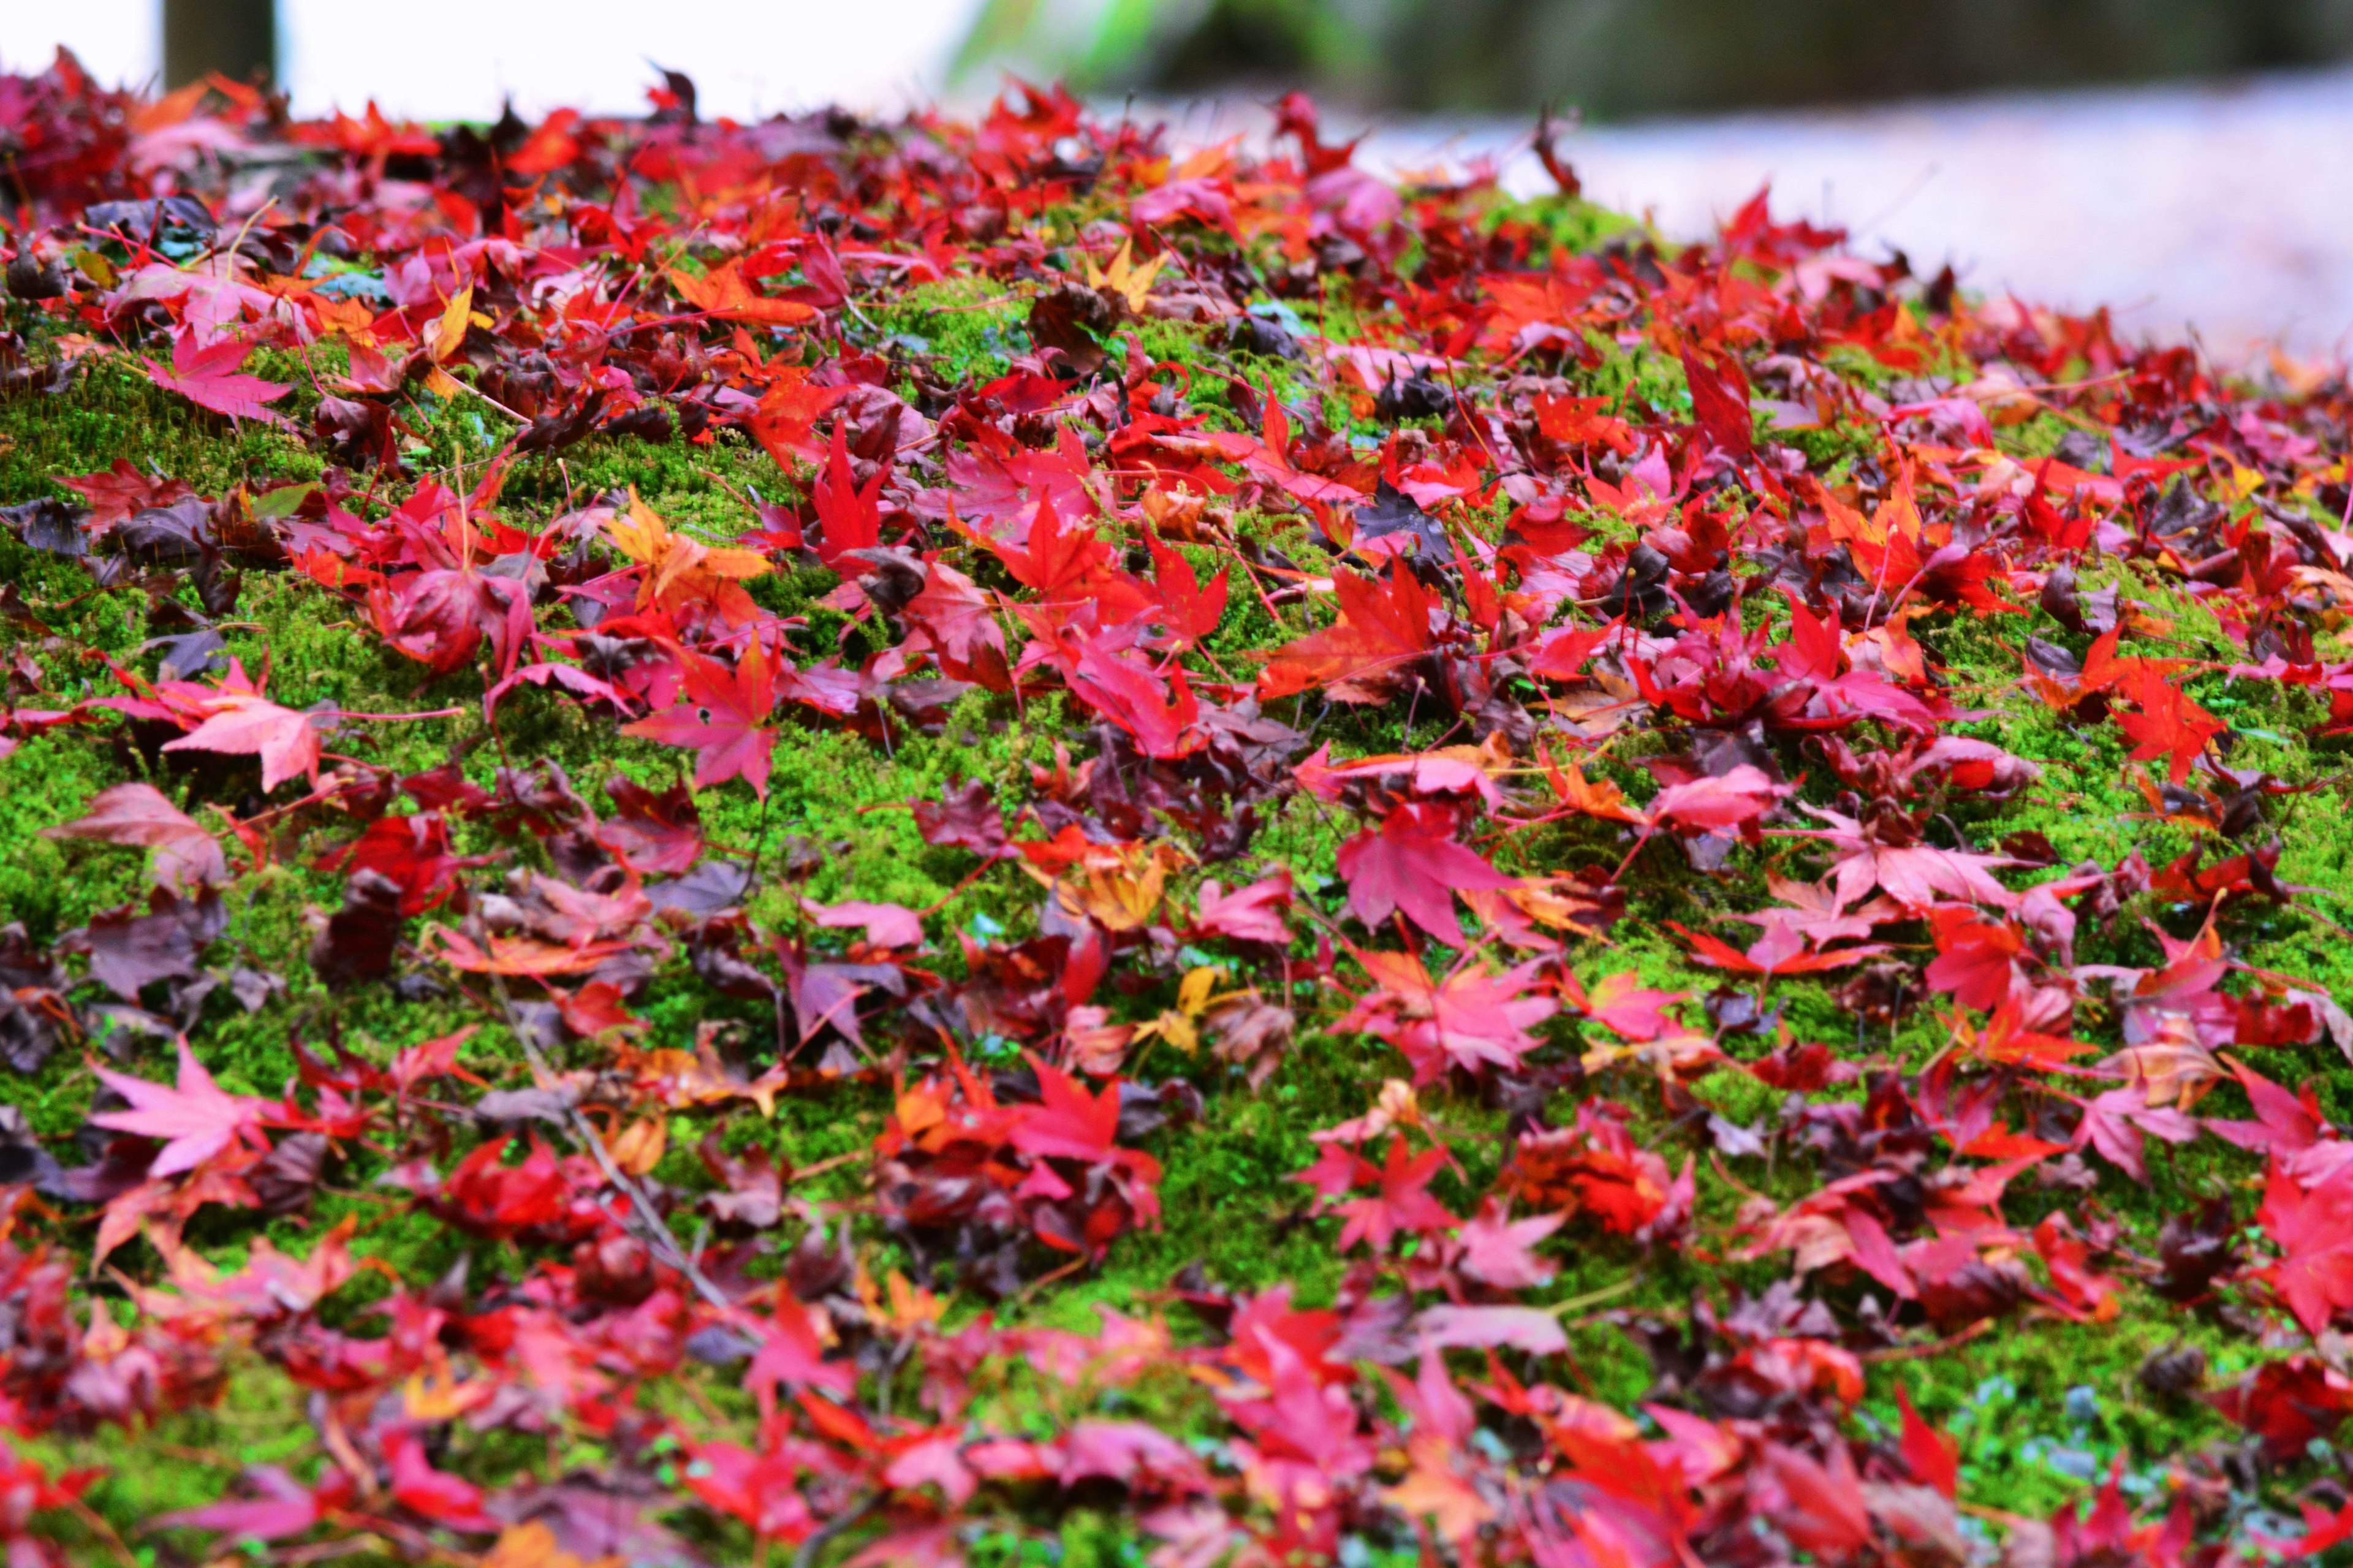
[{"x": 969, "y": 842}]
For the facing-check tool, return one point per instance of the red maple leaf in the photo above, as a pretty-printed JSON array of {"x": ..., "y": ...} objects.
[
  {"x": 1271, "y": 460},
  {"x": 786, "y": 421},
  {"x": 1620, "y": 1003},
  {"x": 1130, "y": 694},
  {"x": 1719, "y": 391},
  {"x": 441, "y": 616},
  {"x": 1069, "y": 1122},
  {"x": 2287, "y": 1404},
  {"x": 850, "y": 518},
  {"x": 208, "y": 378},
  {"x": 720, "y": 717},
  {"x": 1403, "y": 1204},
  {"x": 137, "y": 813},
  {"x": 1820, "y": 1507},
  {"x": 438, "y": 1495},
  {"x": 2314, "y": 1229},
  {"x": 121, "y": 490},
  {"x": 1057, "y": 562},
  {"x": 1189, "y": 611},
  {"x": 1712, "y": 804},
  {"x": 791, "y": 1354},
  {"x": 2169, "y": 724},
  {"x": 285, "y": 1505},
  {"x": 1977, "y": 961},
  {"x": 1933, "y": 1456},
  {"x": 1364, "y": 656},
  {"x": 1412, "y": 864}
]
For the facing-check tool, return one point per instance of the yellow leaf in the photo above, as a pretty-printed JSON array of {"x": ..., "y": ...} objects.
[
  {"x": 1176, "y": 1029},
  {"x": 1193, "y": 995},
  {"x": 640, "y": 535},
  {"x": 912, "y": 1306},
  {"x": 534, "y": 1545},
  {"x": 736, "y": 564},
  {"x": 437, "y": 1396},
  {"x": 94, "y": 266},
  {"x": 678, "y": 562},
  {"x": 1130, "y": 282},
  {"x": 639, "y": 1148},
  {"x": 1119, "y": 890},
  {"x": 344, "y": 318},
  {"x": 450, "y": 329}
]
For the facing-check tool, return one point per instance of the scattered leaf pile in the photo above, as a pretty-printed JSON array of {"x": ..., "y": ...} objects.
[{"x": 944, "y": 843}]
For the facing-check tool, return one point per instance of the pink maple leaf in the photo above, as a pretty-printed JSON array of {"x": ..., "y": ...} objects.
[
  {"x": 208, "y": 377},
  {"x": 196, "y": 1118},
  {"x": 1412, "y": 864}
]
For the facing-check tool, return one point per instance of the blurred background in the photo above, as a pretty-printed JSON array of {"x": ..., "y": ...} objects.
[{"x": 2188, "y": 163}]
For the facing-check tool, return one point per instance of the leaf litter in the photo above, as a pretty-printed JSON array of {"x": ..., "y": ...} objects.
[{"x": 1444, "y": 622}]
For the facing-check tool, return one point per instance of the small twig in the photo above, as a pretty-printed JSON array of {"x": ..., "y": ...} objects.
[
  {"x": 1934, "y": 1347},
  {"x": 97, "y": 1523},
  {"x": 1578, "y": 1303},
  {"x": 654, "y": 1229},
  {"x": 806, "y": 1555}
]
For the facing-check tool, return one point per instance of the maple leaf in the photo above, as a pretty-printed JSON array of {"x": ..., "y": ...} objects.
[
  {"x": 1190, "y": 612},
  {"x": 1364, "y": 656},
  {"x": 196, "y": 1118},
  {"x": 117, "y": 493},
  {"x": 242, "y": 723},
  {"x": 679, "y": 568},
  {"x": 1412, "y": 864},
  {"x": 1132, "y": 283},
  {"x": 435, "y": 1494},
  {"x": 439, "y": 617},
  {"x": 2287, "y": 1404},
  {"x": 208, "y": 377},
  {"x": 2169, "y": 724},
  {"x": 2314, "y": 1228},
  {"x": 1070, "y": 1122},
  {"x": 1472, "y": 1019},
  {"x": 1403, "y": 1203},
  {"x": 1336, "y": 1171},
  {"x": 1620, "y": 1004},
  {"x": 1918, "y": 875},
  {"x": 1821, "y": 1507},
  {"x": 1531, "y": 307},
  {"x": 725, "y": 294},
  {"x": 1933, "y": 1456},
  {"x": 1497, "y": 1250},
  {"x": 785, "y": 421},
  {"x": 851, "y": 519},
  {"x": 1780, "y": 950},
  {"x": 137, "y": 813},
  {"x": 1123, "y": 690},
  {"x": 1562, "y": 655},
  {"x": 1977, "y": 961},
  {"x": 285, "y": 1505},
  {"x": 722, "y": 716},
  {"x": 886, "y": 925},
  {"x": 1249, "y": 913},
  {"x": 1719, "y": 391},
  {"x": 1713, "y": 804},
  {"x": 1529, "y": 1328}
]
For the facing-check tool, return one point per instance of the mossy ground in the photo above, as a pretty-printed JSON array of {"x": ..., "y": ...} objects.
[{"x": 2031, "y": 1437}]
